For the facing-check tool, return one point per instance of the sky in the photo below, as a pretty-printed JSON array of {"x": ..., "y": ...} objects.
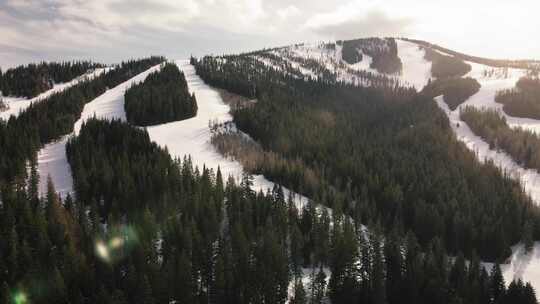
[{"x": 113, "y": 30}]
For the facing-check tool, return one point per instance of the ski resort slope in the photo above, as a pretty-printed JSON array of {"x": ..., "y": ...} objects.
[
  {"x": 416, "y": 69},
  {"x": 17, "y": 104},
  {"x": 529, "y": 178},
  {"x": 493, "y": 80},
  {"x": 520, "y": 265},
  {"x": 192, "y": 136},
  {"x": 52, "y": 158}
]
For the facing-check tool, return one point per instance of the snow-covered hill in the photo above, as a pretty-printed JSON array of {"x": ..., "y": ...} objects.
[{"x": 311, "y": 58}]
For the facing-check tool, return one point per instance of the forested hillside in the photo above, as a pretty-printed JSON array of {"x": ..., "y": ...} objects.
[
  {"x": 33, "y": 79},
  {"x": 162, "y": 97},
  {"x": 42, "y": 122},
  {"x": 522, "y": 145},
  {"x": 523, "y": 100},
  {"x": 455, "y": 90},
  {"x": 381, "y": 155},
  {"x": 217, "y": 242},
  {"x": 446, "y": 66},
  {"x": 383, "y": 52}
]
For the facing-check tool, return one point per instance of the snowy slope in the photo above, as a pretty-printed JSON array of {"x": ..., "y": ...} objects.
[
  {"x": 192, "y": 136},
  {"x": 529, "y": 178},
  {"x": 52, "y": 159},
  {"x": 500, "y": 79},
  {"x": 18, "y": 104},
  {"x": 520, "y": 265},
  {"x": 416, "y": 69}
]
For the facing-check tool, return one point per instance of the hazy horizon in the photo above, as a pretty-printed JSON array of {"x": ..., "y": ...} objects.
[{"x": 111, "y": 30}]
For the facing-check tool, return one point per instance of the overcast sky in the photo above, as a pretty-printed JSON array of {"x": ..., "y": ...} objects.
[{"x": 112, "y": 30}]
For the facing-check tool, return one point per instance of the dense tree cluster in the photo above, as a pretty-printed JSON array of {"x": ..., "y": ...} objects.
[
  {"x": 32, "y": 79},
  {"x": 523, "y": 100},
  {"x": 162, "y": 97},
  {"x": 215, "y": 241},
  {"x": 498, "y": 63},
  {"x": 446, "y": 66},
  {"x": 384, "y": 53},
  {"x": 119, "y": 169},
  {"x": 455, "y": 90},
  {"x": 384, "y": 155},
  {"x": 42, "y": 122},
  {"x": 522, "y": 145}
]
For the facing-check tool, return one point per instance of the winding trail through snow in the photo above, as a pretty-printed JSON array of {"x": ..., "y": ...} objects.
[
  {"x": 18, "y": 104},
  {"x": 186, "y": 137},
  {"x": 52, "y": 158},
  {"x": 192, "y": 136},
  {"x": 520, "y": 265}
]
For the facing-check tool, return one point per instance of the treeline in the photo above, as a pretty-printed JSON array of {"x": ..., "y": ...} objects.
[
  {"x": 384, "y": 53},
  {"x": 522, "y": 145},
  {"x": 42, "y": 122},
  {"x": 119, "y": 169},
  {"x": 162, "y": 97},
  {"x": 523, "y": 100},
  {"x": 382, "y": 154},
  {"x": 32, "y": 79},
  {"x": 498, "y": 63},
  {"x": 446, "y": 66},
  {"x": 455, "y": 90},
  {"x": 216, "y": 242}
]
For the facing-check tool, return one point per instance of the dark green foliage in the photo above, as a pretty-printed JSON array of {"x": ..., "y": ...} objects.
[
  {"x": 455, "y": 90},
  {"x": 43, "y": 122},
  {"x": 522, "y": 145},
  {"x": 33, "y": 79},
  {"x": 384, "y": 53},
  {"x": 162, "y": 97},
  {"x": 446, "y": 66},
  {"x": 523, "y": 100},
  {"x": 389, "y": 151},
  {"x": 217, "y": 244},
  {"x": 119, "y": 167}
]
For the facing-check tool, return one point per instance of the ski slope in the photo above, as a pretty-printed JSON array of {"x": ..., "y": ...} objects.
[
  {"x": 416, "y": 69},
  {"x": 192, "y": 136},
  {"x": 519, "y": 265},
  {"x": 500, "y": 79},
  {"x": 18, "y": 104},
  {"x": 529, "y": 178},
  {"x": 52, "y": 158}
]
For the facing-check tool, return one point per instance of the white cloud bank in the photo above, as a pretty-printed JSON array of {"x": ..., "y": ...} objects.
[{"x": 111, "y": 30}]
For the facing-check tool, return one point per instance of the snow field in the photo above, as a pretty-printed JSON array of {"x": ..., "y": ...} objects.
[
  {"x": 192, "y": 136},
  {"x": 18, "y": 104},
  {"x": 52, "y": 158}
]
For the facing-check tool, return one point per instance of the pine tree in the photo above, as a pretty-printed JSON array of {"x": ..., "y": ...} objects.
[
  {"x": 497, "y": 283},
  {"x": 300, "y": 296}
]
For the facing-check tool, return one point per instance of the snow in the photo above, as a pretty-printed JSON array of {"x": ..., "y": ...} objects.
[
  {"x": 52, "y": 158},
  {"x": 519, "y": 265},
  {"x": 529, "y": 178},
  {"x": 192, "y": 136},
  {"x": 485, "y": 99},
  {"x": 522, "y": 265},
  {"x": 18, "y": 104},
  {"x": 416, "y": 69}
]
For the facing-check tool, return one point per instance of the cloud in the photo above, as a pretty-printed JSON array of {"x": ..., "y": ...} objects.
[
  {"x": 343, "y": 24},
  {"x": 112, "y": 30}
]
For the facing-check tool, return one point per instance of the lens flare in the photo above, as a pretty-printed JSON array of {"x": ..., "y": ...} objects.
[
  {"x": 117, "y": 244},
  {"x": 20, "y": 298},
  {"x": 102, "y": 251}
]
